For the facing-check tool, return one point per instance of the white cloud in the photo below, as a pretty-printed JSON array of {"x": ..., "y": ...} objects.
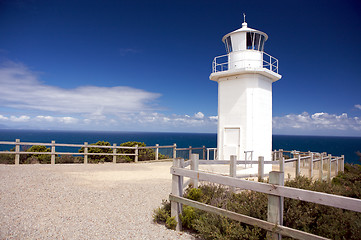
[
  {"x": 213, "y": 118},
  {"x": 21, "y": 89},
  {"x": 358, "y": 106},
  {"x": 68, "y": 120},
  {"x": 22, "y": 118},
  {"x": 317, "y": 122},
  {"x": 2, "y": 117},
  {"x": 45, "y": 118},
  {"x": 199, "y": 115}
]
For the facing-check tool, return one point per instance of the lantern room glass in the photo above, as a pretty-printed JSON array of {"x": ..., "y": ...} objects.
[{"x": 255, "y": 41}]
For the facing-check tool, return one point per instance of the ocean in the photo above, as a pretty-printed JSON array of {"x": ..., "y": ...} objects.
[{"x": 336, "y": 146}]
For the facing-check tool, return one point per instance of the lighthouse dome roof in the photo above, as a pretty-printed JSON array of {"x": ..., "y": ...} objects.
[{"x": 244, "y": 28}]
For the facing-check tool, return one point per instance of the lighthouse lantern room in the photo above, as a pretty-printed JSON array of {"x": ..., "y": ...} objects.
[{"x": 245, "y": 76}]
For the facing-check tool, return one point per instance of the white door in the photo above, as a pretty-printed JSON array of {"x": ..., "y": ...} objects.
[{"x": 232, "y": 138}]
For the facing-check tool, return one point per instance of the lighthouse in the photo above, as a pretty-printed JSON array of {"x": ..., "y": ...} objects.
[{"x": 245, "y": 76}]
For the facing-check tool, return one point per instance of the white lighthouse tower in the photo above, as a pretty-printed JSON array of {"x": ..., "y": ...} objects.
[{"x": 245, "y": 76}]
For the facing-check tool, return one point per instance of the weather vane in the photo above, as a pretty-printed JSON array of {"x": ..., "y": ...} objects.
[{"x": 244, "y": 17}]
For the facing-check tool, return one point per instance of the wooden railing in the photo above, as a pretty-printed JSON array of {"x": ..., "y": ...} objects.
[
  {"x": 86, "y": 147},
  {"x": 275, "y": 190}
]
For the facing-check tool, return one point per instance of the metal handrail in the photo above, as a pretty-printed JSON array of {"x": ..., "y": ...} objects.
[{"x": 220, "y": 63}]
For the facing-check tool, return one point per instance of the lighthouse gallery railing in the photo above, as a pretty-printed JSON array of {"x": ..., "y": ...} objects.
[{"x": 220, "y": 63}]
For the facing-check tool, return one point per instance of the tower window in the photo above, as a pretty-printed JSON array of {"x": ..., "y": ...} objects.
[
  {"x": 249, "y": 40},
  {"x": 228, "y": 44},
  {"x": 255, "y": 41}
]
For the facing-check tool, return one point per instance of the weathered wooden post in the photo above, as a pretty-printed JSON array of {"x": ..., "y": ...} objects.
[
  {"x": 233, "y": 168},
  {"x": 52, "y": 159},
  {"x": 321, "y": 167},
  {"x": 280, "y": 153},
  {"x": 336, "y": 167},
  {"x": 275, "y": 203},
  {"x": 260, "y": 168},
  {"x": 342, "y": 168},
  {"x": 174, "y": 151},
  {"x": 311, "y": 165},
  {"x": 17, "y": 152},
  {"x": 177, "y": 190},
  {"x": 190, "y": 152},
  {"x": 86, "y": 153},
  {"x": 156, "y": 151},
  {"x": 274, "y": 155},
  {"x": 298, "y": 163},
  {"x": 136, "y": 153},
  {"x": 114, "y": 153},
  {"x": 329, "y": 167},
  {"x": 204, "y": 152},
  {"x": 194, "y": 167},
  {"x": 282, "y": 164}
]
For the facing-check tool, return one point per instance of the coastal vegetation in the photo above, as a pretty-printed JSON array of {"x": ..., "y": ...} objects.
[
  {"x": 314, "y": 218},
  {"x": 143, "y": 154}
]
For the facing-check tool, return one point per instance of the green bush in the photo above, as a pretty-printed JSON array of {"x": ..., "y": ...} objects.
[
  {"x": 143, "y": 154},
  {"x": 189, "y": 215},
  {"x": 99, "y": 158},
  {"x": 171, "y": 223},
  {"x": 350, "y": 180},
  {"x": 62, "y": 159},
  {"x": 314, "y": 218},
  {"x": 38, "y": 158},
  {"x": 6, "y": 158},
  {"x": 162, "y": 213}
]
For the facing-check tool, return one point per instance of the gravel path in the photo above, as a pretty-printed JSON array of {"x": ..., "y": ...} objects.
[{"x": 94, "y": 201}]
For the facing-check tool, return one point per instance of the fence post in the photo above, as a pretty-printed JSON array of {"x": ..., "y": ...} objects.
[
  {"x": 321, "y": 167},
  {"x": 52, "y": 159},
  {"x": 136, "y": 154},
  {"x": 275, "y": 203},
  {"x": 17, "y": 150},
  {"x": 204, "y": 152},
  {"x": 174, "y": 151},
  {"x": 181, "y": 182},
  {"x": 342, "y": 168},
  {"x": 207, "y": 153},
  {"x": 311, "y": 165},
  {"x": 190, "y": 152},
  {"x": 194, "y": 167},
  {"x": 177, "y": 190},
  {"x": 86, "y": 153},
  {"x": 260, "y": 168},
  {"x": 281, "y": 153},
  {"x": 298, "y": 165},
  {"x": 282, "y": 164},
  {"x": 329, "y": 167},
  {"x": 336, "y": 167},
  {"x": 233, "y": 168},
  {"x": 114, "y": 153},
  {"x": 156, "y": 151}
]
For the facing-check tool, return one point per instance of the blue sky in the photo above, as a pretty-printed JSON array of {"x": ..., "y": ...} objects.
[{"x": 145, "y": 65}]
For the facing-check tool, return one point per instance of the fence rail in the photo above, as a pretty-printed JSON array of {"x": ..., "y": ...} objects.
[
  {"x": 134, "y": 150},
  {"x": 275, "y": 190}
]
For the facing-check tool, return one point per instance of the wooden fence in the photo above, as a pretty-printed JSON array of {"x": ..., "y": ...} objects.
[
  {"x": 86, "y": 147},
  {"x": 275, "y": 190}
]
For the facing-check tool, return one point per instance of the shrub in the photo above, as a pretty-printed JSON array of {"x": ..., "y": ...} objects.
[
  {"x": 171, "y": 223},
  {"x": 314, "y": 218},
  {"x": 7, "y": 158},
  {"x": 69, "y": 159},
  {"x": 189, "y": 215},
  {"x": 38, "y": 158},
  {"x": 161, "y": 214},
  {"x": 98, "y": 158},
  {"x": 143, "y": 154}
]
